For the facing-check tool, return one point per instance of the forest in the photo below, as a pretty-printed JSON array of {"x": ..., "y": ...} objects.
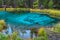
[{"x": 40, "y": 4}]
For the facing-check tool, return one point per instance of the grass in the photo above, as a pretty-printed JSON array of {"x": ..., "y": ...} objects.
[
  {"x": 2, "y": 9},
  {"x": 56, "y": 28},
  {"x": 52, "y": 12},
  {"x": 13, "y": 9}
]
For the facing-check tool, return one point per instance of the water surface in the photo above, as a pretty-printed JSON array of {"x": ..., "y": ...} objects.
[{"x": 26, "y": 20}]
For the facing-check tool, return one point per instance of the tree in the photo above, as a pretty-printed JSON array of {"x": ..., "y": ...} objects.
[
  {"x": 27, "y": 3},
  {"x": 7, "y": 3},
  {"x": 50, "y": 4},
  {"x": 20, "y": 3},
  {"x": 15, "y": 4},
  {"x": 45, "y": 3},
  {"x": 58, "y": 4},
  {"x": 35, "y": 4},
  {"x": 0, "y": 3}
]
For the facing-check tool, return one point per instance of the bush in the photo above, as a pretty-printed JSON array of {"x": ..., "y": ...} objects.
[
  {"x": 2, "y": 22},
  {"x": 9, "y": 37},
  {"x": 42, "y": 34},
  {"x": 3, "y": 37},
  {"x": 2, "y": 25},
  {"x": 50, "y": 4}
]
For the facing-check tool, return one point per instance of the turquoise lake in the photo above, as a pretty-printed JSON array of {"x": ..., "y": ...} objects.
[{"x": 26, "y": 20}]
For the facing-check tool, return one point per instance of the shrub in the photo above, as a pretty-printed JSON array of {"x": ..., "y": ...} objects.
[
  {"x": 50, "y": 4},
  {"x": 2, "y": 25},
  {"x": 42, "y": 34},
  {"x": 3, "y": 37},
  {"x": 9, "y": 37},
  {"x": 2, "y": 22}
]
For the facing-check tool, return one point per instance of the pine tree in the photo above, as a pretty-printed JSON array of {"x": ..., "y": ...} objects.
[
  {"x": 50, "y": 4},
  {"x": 35, "y": 4},
  {"x": 0, "y": 3}
]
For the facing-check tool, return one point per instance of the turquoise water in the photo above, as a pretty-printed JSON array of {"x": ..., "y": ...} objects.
[{"x": 26, "y": 18}]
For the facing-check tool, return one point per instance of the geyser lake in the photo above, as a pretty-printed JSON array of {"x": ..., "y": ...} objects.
[{"x": 26, "y": 20}]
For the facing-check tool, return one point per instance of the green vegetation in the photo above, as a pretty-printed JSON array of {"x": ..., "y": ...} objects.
[
  {"x": 20, "y": 3},
  {"x": 45, "y": 6},
  {"x": 2, "y": 9},
  {"x": 42, "y": 34},
  {"x": 35, "y": 4},
  {"x": 45, "y": 3},
  {"x": 9, "y": 37},
  {"x": 14, "y": 35},
  {"x": 50, "y": 12},
  {"x": 30, "y": 4},
  {"x": 17, "y": 9},
  {"x": 56, "y": 27},
  {"x": 50, "y": 4},
  {"x": 2, "y": 25}
]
